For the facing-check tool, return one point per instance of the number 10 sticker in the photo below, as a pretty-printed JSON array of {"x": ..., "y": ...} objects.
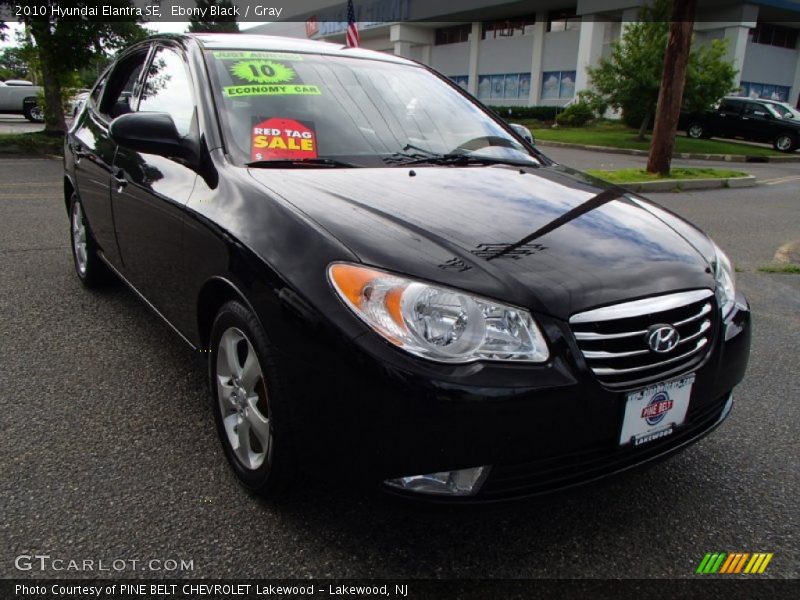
[{"x": 263, "y": 71}]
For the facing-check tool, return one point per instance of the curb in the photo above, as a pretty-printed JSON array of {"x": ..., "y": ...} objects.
[
  {"x": 684, "y": 155},
  {"x": 681, "y": 185}
]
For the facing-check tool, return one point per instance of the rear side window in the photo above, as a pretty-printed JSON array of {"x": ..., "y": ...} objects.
[
  {"x": 730, "y": 107},
  {"x": 167, "y": 89}
]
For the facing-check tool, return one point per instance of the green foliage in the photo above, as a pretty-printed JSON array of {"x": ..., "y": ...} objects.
[
  {"x": 576, "y": 114},
  {"x": 708, "y": 78},
  {"x": 629, "y": 79},
  {"x": 63, "y": 47},
  {"x": 12, "y": 65},
  {"x": 540, "y": 113},
  {"x": 222, "y": 24}
]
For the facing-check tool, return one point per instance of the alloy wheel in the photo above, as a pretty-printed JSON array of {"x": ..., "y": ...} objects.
[
  {"x": 696, "y": 131},
  {"x": 243, "y": 401},
  {"x": 79, "y": 238},
  {"x": 783, "y": 143}
]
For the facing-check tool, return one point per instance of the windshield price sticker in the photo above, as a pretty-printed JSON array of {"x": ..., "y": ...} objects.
[
  {"x": 278, "y": 138},
  {"x": 263, "y": 71},
  {"x": 238, "y": 55},
  {"x": 233, "y": 91}
]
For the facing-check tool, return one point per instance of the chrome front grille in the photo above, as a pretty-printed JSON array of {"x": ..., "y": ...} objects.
[{"x": 614, "y": 339}]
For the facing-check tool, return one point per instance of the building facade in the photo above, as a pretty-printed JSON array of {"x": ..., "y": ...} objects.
[{"x": 535, "y": 52}]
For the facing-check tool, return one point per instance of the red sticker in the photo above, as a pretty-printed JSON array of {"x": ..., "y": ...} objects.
[{"x": 278, "y": 138}]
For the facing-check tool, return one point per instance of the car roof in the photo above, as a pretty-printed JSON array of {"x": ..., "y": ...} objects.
[{"x": 244, "y": 41}]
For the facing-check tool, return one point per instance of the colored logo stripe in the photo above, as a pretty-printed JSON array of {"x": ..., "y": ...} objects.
[{"x": 734, "y": 563}]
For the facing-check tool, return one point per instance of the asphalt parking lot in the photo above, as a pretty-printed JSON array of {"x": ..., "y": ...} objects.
[{"x": 109, "y": 451}]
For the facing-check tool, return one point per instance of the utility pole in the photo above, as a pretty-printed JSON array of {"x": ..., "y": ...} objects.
[{"x": 673, "y": 80}]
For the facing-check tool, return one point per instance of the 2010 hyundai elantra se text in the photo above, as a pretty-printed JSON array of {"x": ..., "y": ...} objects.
[{"x": 390, "y": 284}]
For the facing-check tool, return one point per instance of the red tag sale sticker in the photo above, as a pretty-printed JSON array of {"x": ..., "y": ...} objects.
[{"x": 278, "y": 138}]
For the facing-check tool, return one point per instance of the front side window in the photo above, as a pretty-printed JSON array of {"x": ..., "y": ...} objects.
[
  {"x": 120, "y": 92},
  {"x": 167, "y": 88},
  {"x": 301, "y": 106}
]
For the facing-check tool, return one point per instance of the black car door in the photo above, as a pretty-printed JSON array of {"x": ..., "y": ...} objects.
[
  {"x": 726, "y": 121},
  {"x": 150, "y": 191},
  {"x": 93, "y": 151},
  {"x": 757, "y": 123}
]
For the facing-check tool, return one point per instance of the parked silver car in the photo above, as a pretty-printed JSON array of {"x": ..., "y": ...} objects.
[{"x": 19, "y": 97}]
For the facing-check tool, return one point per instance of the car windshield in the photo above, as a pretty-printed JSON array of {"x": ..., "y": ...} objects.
[
  {"x": 782, "y": 110},
  {"x": 340, "y": 111}
]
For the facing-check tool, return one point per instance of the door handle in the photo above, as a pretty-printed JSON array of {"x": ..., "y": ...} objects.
[
  {"x": 119, "y": 177},
  {"x": 79, "y": 154}
]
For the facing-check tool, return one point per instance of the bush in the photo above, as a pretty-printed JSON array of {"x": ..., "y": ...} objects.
[
  {"x": 540, "y": 113},
  {"x": 576, "y": 115}
]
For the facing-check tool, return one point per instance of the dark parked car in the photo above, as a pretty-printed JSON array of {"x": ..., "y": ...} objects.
[
  {"x": 391, "y": 285},
  {"x": 748, "y": 119}
]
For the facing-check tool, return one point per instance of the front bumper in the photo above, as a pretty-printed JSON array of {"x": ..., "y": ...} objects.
[{"x": 377, "y": 414}]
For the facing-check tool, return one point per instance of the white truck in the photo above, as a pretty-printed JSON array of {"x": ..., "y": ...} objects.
[{"x": 19, "y": 97}]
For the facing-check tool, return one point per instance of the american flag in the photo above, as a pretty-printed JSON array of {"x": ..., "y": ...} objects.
[{"x": 352, "y": 26}]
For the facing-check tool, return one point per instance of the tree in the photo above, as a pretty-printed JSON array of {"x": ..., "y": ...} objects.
[
  {"x": 65, "y": 45},
  {"x": 673, "y": 81},
  {"x": 221, "y": 23},
  {"x": 14, "y": 64},
  {"x": 629, "y": 79}
]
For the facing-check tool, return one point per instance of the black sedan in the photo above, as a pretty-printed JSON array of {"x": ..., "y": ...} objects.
[
  {"x": 748, "y": 119},
  {"x": 391, "y": 285}
]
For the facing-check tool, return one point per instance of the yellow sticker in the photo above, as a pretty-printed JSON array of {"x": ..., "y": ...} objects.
[
  {"x": 239, "y": 54},
  {"x": 263, "y": 71},
  {"x": 235, "y": 91}
]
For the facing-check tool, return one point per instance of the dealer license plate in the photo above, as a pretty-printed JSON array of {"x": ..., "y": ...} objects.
[{"x": 654, "y": 412}]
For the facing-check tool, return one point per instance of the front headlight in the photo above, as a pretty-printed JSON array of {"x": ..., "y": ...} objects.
[
  {"x": 726, "y": 282},
  {"x": 438, "y": 323}
]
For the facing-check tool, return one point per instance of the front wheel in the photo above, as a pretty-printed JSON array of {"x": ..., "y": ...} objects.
[
  {"x": 247, "y": 402},
  {"x": 697, "y": 131},
  {"x": 785, "y": 142},
  {"x": 33, "y": 113},
  {"x": 90, "y": 269}
]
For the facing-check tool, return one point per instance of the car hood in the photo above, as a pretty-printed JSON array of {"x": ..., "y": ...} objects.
[{"x": 549, "y": 238}]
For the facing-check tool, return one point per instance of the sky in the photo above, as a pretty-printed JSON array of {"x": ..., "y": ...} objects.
[{"x": 160, "y": 27}]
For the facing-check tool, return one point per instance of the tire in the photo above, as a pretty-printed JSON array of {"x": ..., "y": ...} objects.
[
  {"x": 248, "y": 404},
  {"x": 33, "y": 112},
  {"x": 785, "y": 142},
  {"x": 697, "y": 130},
  {"x": 91, "y": 271}
]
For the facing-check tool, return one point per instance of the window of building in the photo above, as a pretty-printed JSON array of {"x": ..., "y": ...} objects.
[
  {"x": 774, "y": 35},
  {"x": 461, "y": 81},
  {"x": 558, "y": 84},
  {"x": 508, "y": 28},
  {"x": 767, "y": 91},
  {"x": 563, "y": 20},
  {"x": 507, "y": 86},
  {"x": 453, "y": 34}
]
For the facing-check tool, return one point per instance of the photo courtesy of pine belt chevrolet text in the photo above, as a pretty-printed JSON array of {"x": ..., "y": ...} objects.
[{"x": 393, "y": 287}]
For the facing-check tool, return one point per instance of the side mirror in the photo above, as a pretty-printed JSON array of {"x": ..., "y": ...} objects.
[
  {"x": 523, "y": 132},
  {"x": 153, "y": 133}
]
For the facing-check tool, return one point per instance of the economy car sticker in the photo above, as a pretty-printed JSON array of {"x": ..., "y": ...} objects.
[
  {"x": 234, "y": 91},
  {"x": 278, "y": 138}
]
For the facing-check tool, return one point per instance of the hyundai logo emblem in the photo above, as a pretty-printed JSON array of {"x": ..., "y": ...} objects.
[{"x": 662, "y": 338}]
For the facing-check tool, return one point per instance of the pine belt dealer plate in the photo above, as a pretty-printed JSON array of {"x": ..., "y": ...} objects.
[{"x": 654, "y": 412}]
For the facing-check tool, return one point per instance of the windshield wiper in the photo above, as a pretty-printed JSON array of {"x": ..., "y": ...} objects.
[
  {"x": 464, "y": 159},
  {"x": 283, "y": 163}
]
